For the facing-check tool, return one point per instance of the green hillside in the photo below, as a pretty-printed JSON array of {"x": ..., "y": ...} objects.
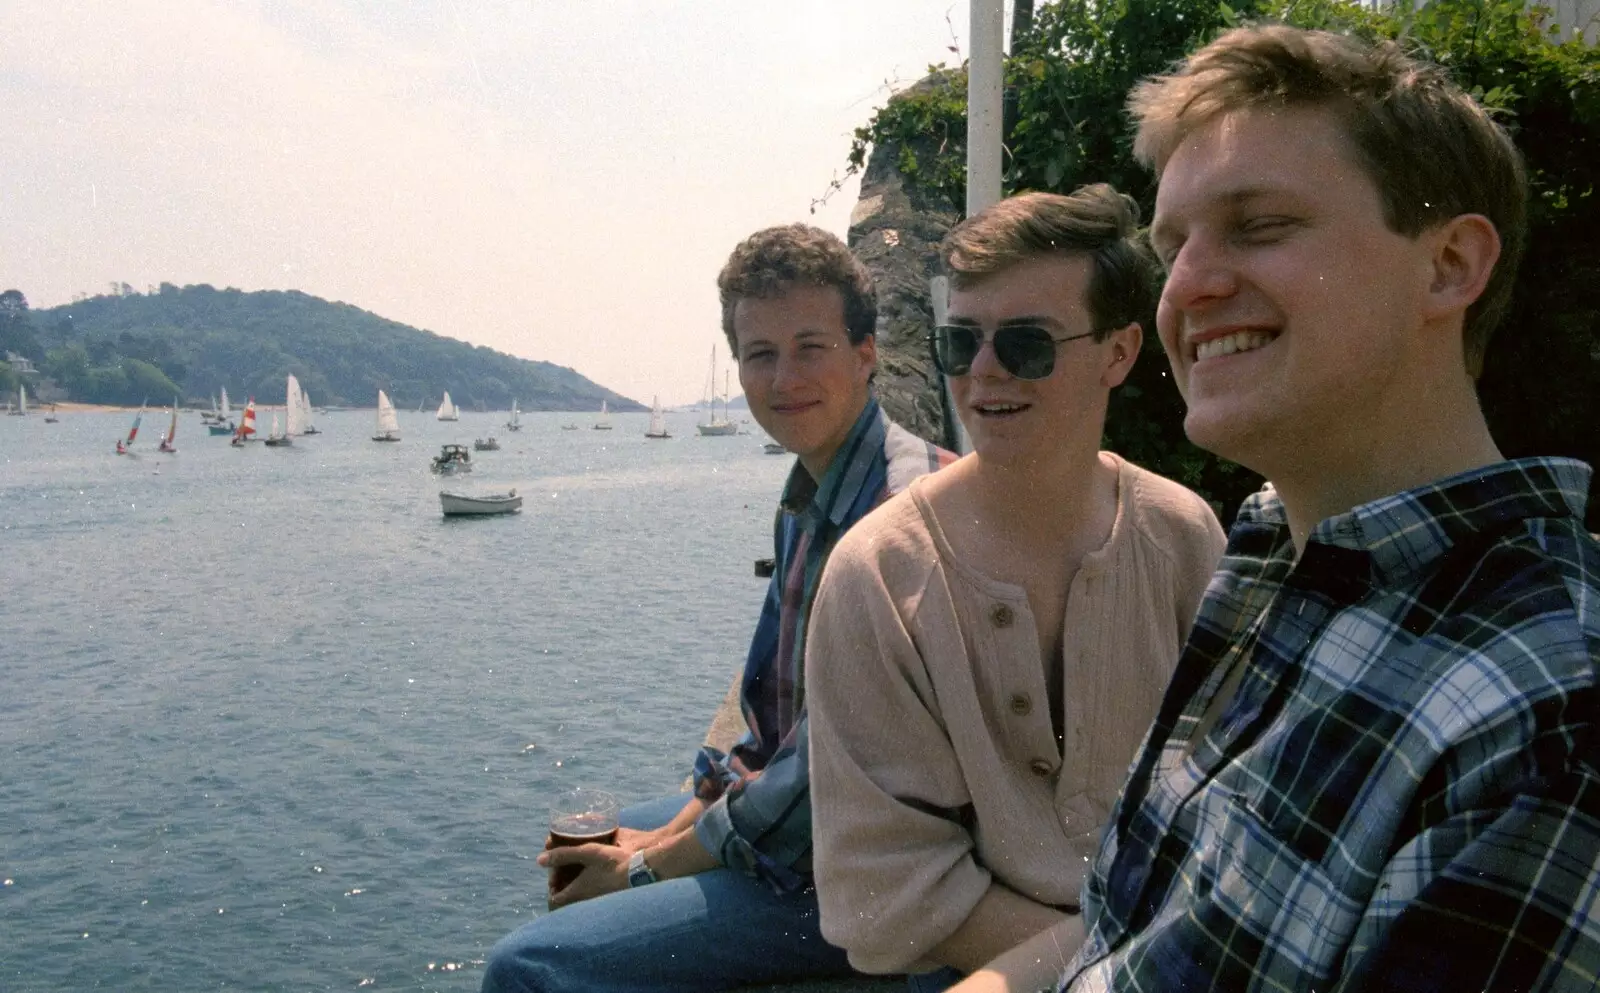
[{"x": 130, "y": 347}]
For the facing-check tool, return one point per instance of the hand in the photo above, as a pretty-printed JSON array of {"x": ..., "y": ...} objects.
[
  {"x": 602, "y": 869},
  {"x": 632, "y": 841}
]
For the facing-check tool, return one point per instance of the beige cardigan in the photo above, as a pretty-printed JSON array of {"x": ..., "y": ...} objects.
[{"x": 934, "y": 765}]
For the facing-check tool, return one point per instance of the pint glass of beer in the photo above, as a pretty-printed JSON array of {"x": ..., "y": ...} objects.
[{"x": 580, "y": 817}]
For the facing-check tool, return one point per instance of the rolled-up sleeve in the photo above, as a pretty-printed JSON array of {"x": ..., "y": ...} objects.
[
  {"x": 894, "y": 866},
  {"x": 761, "y": 825}
]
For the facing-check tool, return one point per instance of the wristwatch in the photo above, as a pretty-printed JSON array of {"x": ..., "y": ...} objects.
[{"x": 639, "y": 871}]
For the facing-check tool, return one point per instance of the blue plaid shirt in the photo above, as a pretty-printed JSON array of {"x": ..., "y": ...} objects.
[
  {"x": 760, "y": 819},
  {"x": 1404, "y": 791}
]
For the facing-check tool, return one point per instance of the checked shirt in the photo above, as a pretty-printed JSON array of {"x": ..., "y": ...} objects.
[
  {"x": 1404, "y": 791},
  {"x": 759, "y": 818}
]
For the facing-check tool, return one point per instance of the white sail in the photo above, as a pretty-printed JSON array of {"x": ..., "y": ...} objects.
[
  {"x": 658, "y": 420},
  {"x": 448, "y": 410},
  {"x": 388, "y": 420},
  {"x": 308, "y": 424},
  {"x": 516, "y": 416},
  {"x": 225, "y": 413},
  {"x": 22, "y": 399},
  {"x": 293, "y": 411}
]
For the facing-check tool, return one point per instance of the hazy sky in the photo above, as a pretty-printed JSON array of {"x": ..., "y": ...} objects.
[{"x": 558, "y": 179}]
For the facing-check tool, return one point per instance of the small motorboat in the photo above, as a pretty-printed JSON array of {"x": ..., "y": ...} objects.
[
  {"x": 464, "y": 504},
  {"x": 485, "y": 444},
  {"x": 452, "y": 458},
  {"x": 773, "y": 448}
]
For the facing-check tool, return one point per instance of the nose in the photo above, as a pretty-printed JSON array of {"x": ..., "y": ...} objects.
[
  {"x": 1199, "y": 274},
  {"x": 786, "y": 371},
  {"x": 985, "y": 365}
]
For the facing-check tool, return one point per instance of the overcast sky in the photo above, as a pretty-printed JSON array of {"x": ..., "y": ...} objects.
[{"x": 558, "y": 179}]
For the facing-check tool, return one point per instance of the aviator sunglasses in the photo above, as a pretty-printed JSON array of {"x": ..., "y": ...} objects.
[{"x": 1024, "y": 350}]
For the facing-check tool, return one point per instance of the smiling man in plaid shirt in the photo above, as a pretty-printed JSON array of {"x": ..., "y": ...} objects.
[{"x": 1377, "y": 766}]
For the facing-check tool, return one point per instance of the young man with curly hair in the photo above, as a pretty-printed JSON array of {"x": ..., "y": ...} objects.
[{"x": 713, "y": 890}]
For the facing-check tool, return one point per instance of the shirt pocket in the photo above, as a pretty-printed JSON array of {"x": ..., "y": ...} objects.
[{"x": 1289, "y": 907}]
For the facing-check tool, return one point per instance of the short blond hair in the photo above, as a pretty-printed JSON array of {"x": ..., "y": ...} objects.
[{"x": 1432, "y": 152}]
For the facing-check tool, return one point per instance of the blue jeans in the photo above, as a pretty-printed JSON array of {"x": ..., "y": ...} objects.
[
  {"x": 713, "y": 931},
  {"x": 934, "y": 982}
]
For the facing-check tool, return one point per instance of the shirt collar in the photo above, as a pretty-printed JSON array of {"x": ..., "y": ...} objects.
[
  {"x": 849, "y": 471},
  {"x": 1406, "y": 532}
]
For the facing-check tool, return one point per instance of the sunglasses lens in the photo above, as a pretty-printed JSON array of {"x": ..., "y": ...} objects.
[
  {"x": 954, "y": 348},
  {"x": 1025, "y": 352}
]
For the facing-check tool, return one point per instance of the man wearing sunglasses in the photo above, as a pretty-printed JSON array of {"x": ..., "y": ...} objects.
[
  {"x": 988, "y": 647},
  {"x": 713, "y": 890}
]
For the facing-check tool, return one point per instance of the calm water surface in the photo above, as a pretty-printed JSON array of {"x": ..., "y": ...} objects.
[{"x": 268, "y": 721}]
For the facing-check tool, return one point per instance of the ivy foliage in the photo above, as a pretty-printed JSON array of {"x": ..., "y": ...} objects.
[{"x": 1068, "y": 80}]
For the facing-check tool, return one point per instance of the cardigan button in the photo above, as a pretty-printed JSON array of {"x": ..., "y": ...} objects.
[
  {"x": 1001, "y": 616},
  {"x": 1021, "y": 705},
  {"x": 1041, "y": 767}
]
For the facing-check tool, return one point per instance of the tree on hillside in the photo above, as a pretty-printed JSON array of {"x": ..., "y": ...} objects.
[
  {"x": 1071, "y": 74},
  {"x": 16, "y": 328},
  {"x": 68, "y": 366}
]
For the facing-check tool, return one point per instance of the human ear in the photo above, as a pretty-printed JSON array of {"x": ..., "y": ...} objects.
[
  {"x": 1125, "y": 344},
  {"x": 867, "y": 351},
  {"x": 1465, "y": 249}
]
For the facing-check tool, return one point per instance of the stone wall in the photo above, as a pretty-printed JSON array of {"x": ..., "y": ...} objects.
[{"x": 895, "y": 230}]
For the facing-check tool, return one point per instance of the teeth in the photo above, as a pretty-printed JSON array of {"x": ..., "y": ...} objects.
[
  {"x": 998, "y": 408},
  {"x": 1244, "y": 341}
]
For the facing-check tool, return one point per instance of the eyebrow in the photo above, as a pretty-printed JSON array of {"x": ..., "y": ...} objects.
[
  {"x": 803, "y": 333},
  {"x": 1027, "y": 320}
]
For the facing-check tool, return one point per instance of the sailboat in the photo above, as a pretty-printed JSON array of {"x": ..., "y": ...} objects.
[
  {"x": 247, "y": 425},
  {"x": 222, "y": 421},
  {"x": 124, "y": 447},
  {"x": 308, "y": 423},
  {"x": 21, "y": 409},
  {"x": 447, "y": 410},
  {"x": 388, "y": 420},
  {"x": 291, "y": 415},
  {"x": 515, "y": 424},
  {"x": 658, "y": 421},
  {"x": 273, "y": 437},
  {"x": 172, "y": 432},
  {"x": 604, "y": 423},
  {"x": 294, "y": 408},
  {"x": 51, "y": 417},
  {"x": 717, "y": 427}
]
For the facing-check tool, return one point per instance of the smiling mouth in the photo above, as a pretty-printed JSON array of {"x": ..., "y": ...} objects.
[
  {"x": 1243, "y": 341},
  {"x": 791, "y": 408},
  {"x": 999, "y": 409}
]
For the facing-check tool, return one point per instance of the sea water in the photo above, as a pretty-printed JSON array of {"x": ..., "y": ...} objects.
[{"x": 268, "y": 721}]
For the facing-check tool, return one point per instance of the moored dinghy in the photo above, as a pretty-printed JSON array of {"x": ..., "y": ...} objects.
[{"x": 469, "y": 505}]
